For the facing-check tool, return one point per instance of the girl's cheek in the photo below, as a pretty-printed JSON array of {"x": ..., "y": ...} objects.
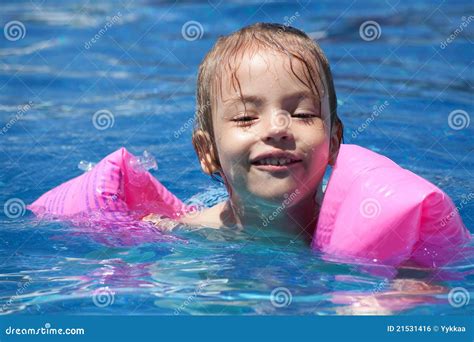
[
  {"x": 237, "y": 142},
  {"x": 243, "y": 136},
  {"x": 315, "y": 144}
]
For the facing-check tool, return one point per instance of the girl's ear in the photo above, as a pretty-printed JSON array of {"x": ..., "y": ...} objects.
[
  {"x": 336, "y": 140},
  {"x": 205, "y": 150}
]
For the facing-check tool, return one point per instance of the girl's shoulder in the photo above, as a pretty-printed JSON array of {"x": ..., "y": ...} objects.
[
  {"x": 213, "y": 217},
  {"x": 208, "y": 217}
]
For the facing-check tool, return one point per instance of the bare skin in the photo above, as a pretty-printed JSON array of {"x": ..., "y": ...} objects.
[
  {"x": 403, "y": 294},
  {"x": 280, "y": 115},
  {"x": 216, "y": 217}
]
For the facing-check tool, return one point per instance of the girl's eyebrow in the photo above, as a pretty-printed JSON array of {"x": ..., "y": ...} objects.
[
  {"x": 302, "y": 95},
  {"x": 245, "y": 99},
  {"x": 258, "y": 100}
]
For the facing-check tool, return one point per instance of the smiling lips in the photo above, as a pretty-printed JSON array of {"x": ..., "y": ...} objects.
[{"x": 276, "y": 158}]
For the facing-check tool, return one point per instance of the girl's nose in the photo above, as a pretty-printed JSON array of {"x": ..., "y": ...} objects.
[{"x": 279, "y": 126}]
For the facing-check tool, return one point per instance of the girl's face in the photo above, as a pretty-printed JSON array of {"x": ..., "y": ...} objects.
[{"x": 278, "y": 143}]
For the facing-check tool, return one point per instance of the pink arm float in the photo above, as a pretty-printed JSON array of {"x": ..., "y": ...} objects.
[
  {"x": 113, "y": 185},
  {"x": 375, "y": 209}
]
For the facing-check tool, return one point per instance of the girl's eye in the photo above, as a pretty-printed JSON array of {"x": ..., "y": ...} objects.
[
  {"x": 244, "y": 120},
  {"x": 306, "y": 118},
  {"x": 305, "y": 115}
]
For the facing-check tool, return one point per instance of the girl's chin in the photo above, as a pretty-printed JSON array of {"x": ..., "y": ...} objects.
[{"x": 278, "y": 195}]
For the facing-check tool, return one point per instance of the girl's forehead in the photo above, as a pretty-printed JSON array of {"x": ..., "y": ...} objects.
[
  {"x": 259, "y": 71},
  {"x": 264, "y": 62}
]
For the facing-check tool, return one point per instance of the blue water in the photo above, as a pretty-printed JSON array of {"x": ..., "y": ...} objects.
[{"x": 143, "y": 71}]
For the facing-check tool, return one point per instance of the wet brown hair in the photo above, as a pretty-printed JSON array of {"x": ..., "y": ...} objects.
[{"x": 226, "y": 55}]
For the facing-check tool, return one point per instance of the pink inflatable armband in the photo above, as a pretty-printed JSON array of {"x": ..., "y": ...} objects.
[
  {"x": 118, "y": 183},
  {"x": 374, "y": 209}
]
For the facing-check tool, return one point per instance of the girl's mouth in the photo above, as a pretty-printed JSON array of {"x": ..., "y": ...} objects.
[
  {"x": 277, "y": 167},
  {"x": 275, "y": 161}
]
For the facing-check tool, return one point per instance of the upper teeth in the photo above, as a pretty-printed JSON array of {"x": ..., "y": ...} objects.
[{"x": 274, "y": 161}]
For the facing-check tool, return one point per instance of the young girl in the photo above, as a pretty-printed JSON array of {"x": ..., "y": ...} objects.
[{"x": 267, "y": 125}]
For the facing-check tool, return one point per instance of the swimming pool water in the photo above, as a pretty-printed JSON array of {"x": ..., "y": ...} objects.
[{"x": 395, "y": 95}]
